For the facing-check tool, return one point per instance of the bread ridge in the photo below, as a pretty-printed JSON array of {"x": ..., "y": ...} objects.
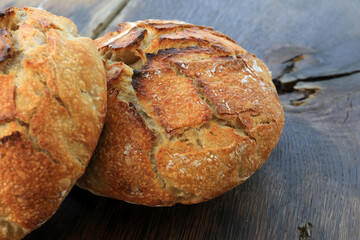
[
  {"x": 44, "y": 124},
  {"x": 142, "y": 40}
]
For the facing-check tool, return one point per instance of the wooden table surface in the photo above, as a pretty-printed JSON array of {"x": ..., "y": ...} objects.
[{"x": 310, "y": 186}]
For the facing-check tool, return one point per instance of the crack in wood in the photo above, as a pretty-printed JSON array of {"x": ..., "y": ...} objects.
[
  {"x": 307, "y": 94},
  {"x": 285, "y": 87},
  {"x": 288, "y": 86}
]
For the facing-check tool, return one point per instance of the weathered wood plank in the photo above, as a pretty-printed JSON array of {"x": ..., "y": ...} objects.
[{"x": 90, "y": 16}]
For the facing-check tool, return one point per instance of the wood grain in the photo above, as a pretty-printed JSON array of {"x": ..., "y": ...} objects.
[
  {"x": 90, "y": 16},
  {"x": 312, "y": 176}
]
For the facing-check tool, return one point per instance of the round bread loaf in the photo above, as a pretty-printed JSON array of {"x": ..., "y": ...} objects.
[
  {"x": 191, "y": 115},
  {"x": 52, "y": 109}
]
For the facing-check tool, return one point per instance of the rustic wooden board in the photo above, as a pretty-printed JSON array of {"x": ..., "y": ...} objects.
[
  {"x": 90, "y": 16},
  {"x": 313, "y": 175}
]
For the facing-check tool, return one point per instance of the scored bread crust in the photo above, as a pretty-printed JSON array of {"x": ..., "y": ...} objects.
[
  {"x": 53, "y": 105},
  {"x": 191, "y": 115}
]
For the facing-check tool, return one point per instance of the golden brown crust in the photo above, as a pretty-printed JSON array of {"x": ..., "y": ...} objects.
[
  {"x": 211, "y": 170},
  {"x": 7, "y": 91},
  {"x": 211, "y": 105},
  {"x": 167, "y": 104},
  {"x": 52, "y": 108},
  {"x": 38, "y": 173}
]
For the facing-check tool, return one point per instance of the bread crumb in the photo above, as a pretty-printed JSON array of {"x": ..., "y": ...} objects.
[
  {"x": 196, "y": 163},
  {"x": 220, "y": 68},
  {"x": 245, "y": 80},
  {"x": 63, "y": 193},
  {"x": 184, "y": 66},
  {"x": 158, "y": 72},
  {"x": 227, "y": 106},
  {"x": 170, "y": 164},
  {"x": 256, "y": 67},
  {"x": 127, "y": 148},
  {"x": 146, "y": 75}
]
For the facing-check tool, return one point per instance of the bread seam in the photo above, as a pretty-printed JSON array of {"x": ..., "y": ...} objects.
[
  {"x": 149, "y": 123},
  {"x": 159, "y": 140}
]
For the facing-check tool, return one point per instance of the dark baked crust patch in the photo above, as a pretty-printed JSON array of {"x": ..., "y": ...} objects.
[{"x": 5, "y": 46}]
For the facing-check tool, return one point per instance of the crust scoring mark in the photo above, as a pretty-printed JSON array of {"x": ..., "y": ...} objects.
[
  {"x": 130, "y": 98},
  {"x": 154, "y": 128},
  {"x": 216, "y": 118},
  {"x": 236, "y": 125}
]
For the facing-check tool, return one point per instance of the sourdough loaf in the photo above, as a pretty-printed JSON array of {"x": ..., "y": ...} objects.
[
  {"x": 52, "y": 109},
  {"x": 191, "y": 115}
]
